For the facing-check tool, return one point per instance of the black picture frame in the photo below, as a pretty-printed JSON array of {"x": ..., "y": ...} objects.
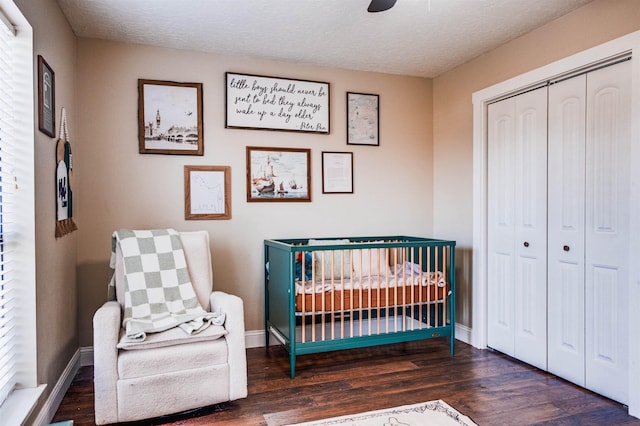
[
  {"x": 363, "y": 119},
  {"x": 337, "y": 172},
  {"x": 46, "y": 98}
]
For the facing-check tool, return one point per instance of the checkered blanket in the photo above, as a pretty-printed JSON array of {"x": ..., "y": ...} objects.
[{"x": 158, "y": 291}]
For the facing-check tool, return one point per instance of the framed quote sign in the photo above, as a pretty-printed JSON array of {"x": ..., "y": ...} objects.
[{"x": 259, "y": 102}]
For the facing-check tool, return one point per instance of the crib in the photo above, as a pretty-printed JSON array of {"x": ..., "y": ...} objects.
[{"x": 339, "y": 293}]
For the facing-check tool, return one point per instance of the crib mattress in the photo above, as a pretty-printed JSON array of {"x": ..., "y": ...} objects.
[{"x": 339, "y": 300}]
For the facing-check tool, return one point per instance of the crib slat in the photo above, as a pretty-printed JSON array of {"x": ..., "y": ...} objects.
[
  {"x": 303, "y": 301},
  {"x": 429, "y": 290},
  {"x": 437, "y": 252},
  {"x": 445, "y": 265}
]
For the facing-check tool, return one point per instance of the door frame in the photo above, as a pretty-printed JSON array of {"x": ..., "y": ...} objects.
[{"x": 629, "y": 44}]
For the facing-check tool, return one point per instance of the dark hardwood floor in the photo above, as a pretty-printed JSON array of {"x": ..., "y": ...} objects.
[{"x": 489, "y": 387}]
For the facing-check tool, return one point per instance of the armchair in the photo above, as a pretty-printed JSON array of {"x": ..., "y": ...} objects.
[{"x": 171, "y": 371}]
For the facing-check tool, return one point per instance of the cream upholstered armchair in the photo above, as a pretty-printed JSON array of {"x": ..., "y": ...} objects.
[{"x": 171, "y": 371}]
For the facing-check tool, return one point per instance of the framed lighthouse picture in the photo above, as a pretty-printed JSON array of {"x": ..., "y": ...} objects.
[{"x": 170, "y": 118}]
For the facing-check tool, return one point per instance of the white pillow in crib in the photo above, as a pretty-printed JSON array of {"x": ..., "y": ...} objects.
[
  {"x": 375, "y": 261},
  {"x": 336, "y": 272}
]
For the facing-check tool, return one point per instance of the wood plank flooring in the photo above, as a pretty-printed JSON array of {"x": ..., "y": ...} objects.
[{"x": 489, "y": 387}]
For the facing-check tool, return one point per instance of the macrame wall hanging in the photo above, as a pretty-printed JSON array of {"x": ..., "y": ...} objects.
[{"x": 64, "y": 180}]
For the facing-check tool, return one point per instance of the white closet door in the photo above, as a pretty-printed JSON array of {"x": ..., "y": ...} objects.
[
  {"x": 531, "y": 228},
  {"x": 501, "y": 226},
  {"x": 567, "y": 115},
  {"x": 608, "y": 141},
  {"x": 517, "y": 226}
]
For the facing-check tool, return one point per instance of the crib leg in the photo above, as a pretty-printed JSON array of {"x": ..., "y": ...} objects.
[{"x": 292, "y": 362}]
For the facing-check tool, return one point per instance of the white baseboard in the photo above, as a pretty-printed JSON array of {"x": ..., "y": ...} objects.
[
  {"x": 52, "y": 403},
  {"x": 463, "y": 333},
  {"x": 84, "y": 357},
  {"x": 256, "y": 339}
]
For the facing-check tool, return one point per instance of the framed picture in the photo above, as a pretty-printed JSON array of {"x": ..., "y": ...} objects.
[
  {"x": 207, "y": 192},
  {"x": 337, "y": 172},
  {"x": 363, "y": 119},
  {"x": 170, "y": 118},
  {"x": 278, "y": 174},
  {"x": 259, "y": 102},
  {"x": 46, "y": 98}
]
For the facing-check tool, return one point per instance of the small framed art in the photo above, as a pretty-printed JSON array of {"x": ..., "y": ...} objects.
[
  {"x": 170, "y": 118},
  {"x": 337, "y": 173},
  {"x": 278, "y": 174},
  {"x": 46, "y": 98},
  {"x": 363, "y": 119},
  {"x": 207, "y": 192}
]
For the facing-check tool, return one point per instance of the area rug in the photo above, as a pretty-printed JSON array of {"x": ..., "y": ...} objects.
[{"x": 432, "y": 413}]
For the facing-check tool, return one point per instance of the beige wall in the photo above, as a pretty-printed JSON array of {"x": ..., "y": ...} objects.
[
  {"x": 586, "y": 27},
  {"x": 57, "y": 327},
  {"x": 408, "y": 185},
  {"x": 121, "y": 188}
]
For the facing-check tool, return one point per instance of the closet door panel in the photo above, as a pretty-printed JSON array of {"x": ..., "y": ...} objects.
[
  {"x": 607, "y": 230},
  {"x": 531, "y": 227},
  {"x": 501, "y": 227},
  {"x": 517, "y": 226},
  {"x": 566, "y": 227}
]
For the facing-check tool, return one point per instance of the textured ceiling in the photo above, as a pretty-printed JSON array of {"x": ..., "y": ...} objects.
[{"x": 416, "y": 37}]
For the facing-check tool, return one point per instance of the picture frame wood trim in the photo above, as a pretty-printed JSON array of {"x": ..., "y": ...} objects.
[
  {"x": 197, "y": 186},
  {"x": 46, "y": 98},
  {"x": 363, "y": 119},
  {"x": 276, "y": 174},
  {"x": 259, "y": 102},
  {"x": 179, "y": 131},
  {"x": 337, "y": 172}
]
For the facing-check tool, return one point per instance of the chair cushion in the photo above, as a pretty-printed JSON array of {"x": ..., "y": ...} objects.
[
  {"x": 168, "y": 359},
  {"x": 171, "y": 337}
]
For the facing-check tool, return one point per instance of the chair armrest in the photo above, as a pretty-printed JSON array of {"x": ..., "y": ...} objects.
[
  {"x": 233, "y": 308},
  {"x": 106, "y": 332}
]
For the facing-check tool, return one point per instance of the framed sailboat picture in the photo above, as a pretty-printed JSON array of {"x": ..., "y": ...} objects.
[{"x": 278, "y": 174}]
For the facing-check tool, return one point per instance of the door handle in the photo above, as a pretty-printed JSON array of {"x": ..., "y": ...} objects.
[
  {"x": 526, "y": 243},
  {"x": 566, "y": 248}
]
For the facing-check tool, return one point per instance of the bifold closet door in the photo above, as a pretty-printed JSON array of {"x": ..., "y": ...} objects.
[
  {"x": 566, "y": 225},
  {"x": 589, "y": 192},
  {"x": 517, "y": 209},
  {"x": 608, "y": 148}
]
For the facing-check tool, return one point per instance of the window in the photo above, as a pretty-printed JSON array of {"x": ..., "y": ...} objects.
[
  {"x": 18, "y": 375},
  {"x": 7, "y": 140}
]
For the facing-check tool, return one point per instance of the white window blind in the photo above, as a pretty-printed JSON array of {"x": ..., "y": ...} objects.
[{"x": 7, "y": 187}]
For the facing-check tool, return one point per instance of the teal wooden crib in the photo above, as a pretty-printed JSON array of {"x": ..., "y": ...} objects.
[{"x": 339, "y": 293}]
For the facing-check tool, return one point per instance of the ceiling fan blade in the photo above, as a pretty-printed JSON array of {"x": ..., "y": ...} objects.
[{"x": 380, "y": 5}]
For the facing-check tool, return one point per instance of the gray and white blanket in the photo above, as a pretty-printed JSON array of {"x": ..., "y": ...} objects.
[{"x": 158, "y": 294}]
